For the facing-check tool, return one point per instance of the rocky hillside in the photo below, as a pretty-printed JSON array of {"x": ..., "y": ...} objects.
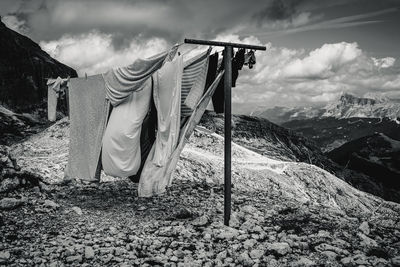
[
  {"x": 281, "y": 115},
  {"x": 349, "y": 106},
  {"x": 285, "y": 213},
  {"x": 279, "y": 143},
  {"x": 330, "y": 133},
  {"x": 376, "y": 155},
  {"x": 264, "y": 137},
  {"x": 14, "y": 126},
  {"x": 24, "y": 68}
]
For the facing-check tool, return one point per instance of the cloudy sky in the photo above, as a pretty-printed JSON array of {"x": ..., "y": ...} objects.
[{"x": 316, "y": 49}]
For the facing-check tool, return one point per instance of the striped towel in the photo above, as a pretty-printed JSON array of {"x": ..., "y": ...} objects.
[{"x": 195, "y": 70}]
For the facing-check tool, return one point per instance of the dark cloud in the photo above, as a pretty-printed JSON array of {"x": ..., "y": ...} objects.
[
  {"x": 173, "y": 19},
  {"x": 278, "y": 10}
]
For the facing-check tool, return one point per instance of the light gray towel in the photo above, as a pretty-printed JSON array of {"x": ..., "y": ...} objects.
[{"x": 88, "y": 117}]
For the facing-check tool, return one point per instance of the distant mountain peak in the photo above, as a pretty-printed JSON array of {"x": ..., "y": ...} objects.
[
  {"x": 349, "y": 106},
  {"x": 346, "y": 106},
  {"x": 347, "y": 99}
]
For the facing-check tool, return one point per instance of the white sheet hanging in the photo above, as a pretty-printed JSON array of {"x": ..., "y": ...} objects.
[
  {"x": 121, "y": 141},
  {"x": 167, "y": 98}
]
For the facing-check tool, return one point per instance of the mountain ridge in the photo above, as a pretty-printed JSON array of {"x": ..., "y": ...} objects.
[
  {"x": 24, "y": 68},
  {"x": 347, "y": 106}
]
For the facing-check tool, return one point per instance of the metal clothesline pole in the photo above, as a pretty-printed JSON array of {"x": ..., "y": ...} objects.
[{"x": 228, "y": 113}]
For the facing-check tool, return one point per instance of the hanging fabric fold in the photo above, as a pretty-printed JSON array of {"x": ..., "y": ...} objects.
[
  {"x": 218, "y": 98},
  {"x": 90, "y": 100},
  {"x": 193, "y": 81},
  {"x": 162, "y": 178},
  {"x": 211, "y": 74},
  {"x": 166, "y": 91},
  {"x": 121, "y": 152},
  {"x": 188, "y": 128},
  {"x": 121, "y": 82}
]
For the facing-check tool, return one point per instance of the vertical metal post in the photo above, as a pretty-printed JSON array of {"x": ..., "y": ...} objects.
[
  {"x": 228, "y": 135},
  {"x": 228, "y": 112},
  {"x": 67, "y": 98}
]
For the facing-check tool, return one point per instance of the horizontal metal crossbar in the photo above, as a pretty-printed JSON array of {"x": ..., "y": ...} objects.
[{"x": 214, "y": 43}]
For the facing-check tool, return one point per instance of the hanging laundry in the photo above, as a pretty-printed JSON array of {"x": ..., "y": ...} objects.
[
  {"x": 211, "y": 74},
  {"x": 55, "y": 88},
  {"x": 121, "y": 153},
  {"x": 89, "y": 109},
  {"x": 237, "y": 64},
  {"x": 194, "y": 70},
  {"x": 147, "y": 138},
  {"x": 88, "y": 117},
  {"x": 197, "y": 90},
  {"x": 250, "y": 59},
  {"x": 212, "y": 69},
  {"x": 121, "y": 82},
  {"x": 167, "y": 98},
  {"x": 188, "y": 128},
  {"x": 52, "y": 98},
  {"x": 218, "y": 99}
]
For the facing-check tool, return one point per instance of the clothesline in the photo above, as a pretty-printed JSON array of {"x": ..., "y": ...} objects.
[
  {"x": 123, "y": 141},
  {"x": 195, "y": 47}
]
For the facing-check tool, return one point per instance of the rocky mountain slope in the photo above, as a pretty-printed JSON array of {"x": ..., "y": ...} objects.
[
  {"x": 347, "y": 106},
  {"x": 285, "y": 213},
  {"x": 331, "y": 133},
  {"x": 24, "y": 68},
  {"x": 376, "y": 155},
  {"x": 49, "y": 149},
  {"x": 14, "y": 126},
  {"x": 350, "y": 106},
  {"x": 279, "y": 143},
  {"x": 281, "y": 115}
]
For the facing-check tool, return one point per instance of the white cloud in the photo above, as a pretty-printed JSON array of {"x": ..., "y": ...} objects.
[
  {"x": 94, "y": 52},
  {"x": 323, "y": 62},
  {"x": 295, "y": 77},
  {"x": 392, "y": 84},
  {"x": 385, "y": 62},
  {"x": 282, "y": 76}
]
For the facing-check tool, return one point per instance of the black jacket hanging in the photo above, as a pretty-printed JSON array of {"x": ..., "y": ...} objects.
[
  {"x": 219, "y": 94},
  {"x": 237, "y": 64},
  {"x": 212, "y": 70}
]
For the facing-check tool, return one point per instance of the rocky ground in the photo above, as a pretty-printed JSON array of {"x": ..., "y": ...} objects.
[
  {"x": 284, "y": 213},
  {"x": 15, "y": 127}
]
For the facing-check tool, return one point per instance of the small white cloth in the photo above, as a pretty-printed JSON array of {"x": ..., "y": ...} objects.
[{"x": 54, "y": 88}]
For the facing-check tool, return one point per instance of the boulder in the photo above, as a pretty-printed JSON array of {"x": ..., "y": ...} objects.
[
  {"x": 280, "y": 248},
  {"x": 8, "y": 203}
]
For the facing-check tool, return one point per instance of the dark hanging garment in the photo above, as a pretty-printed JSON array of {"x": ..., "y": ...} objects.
[
  {"x": 219, "y": 95},
  {"x": 218, "y": 98},
  {"x": 147, "y": 138},
  {"x": 212, "y": 70},
  {"x": 237, "y": 64}
]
